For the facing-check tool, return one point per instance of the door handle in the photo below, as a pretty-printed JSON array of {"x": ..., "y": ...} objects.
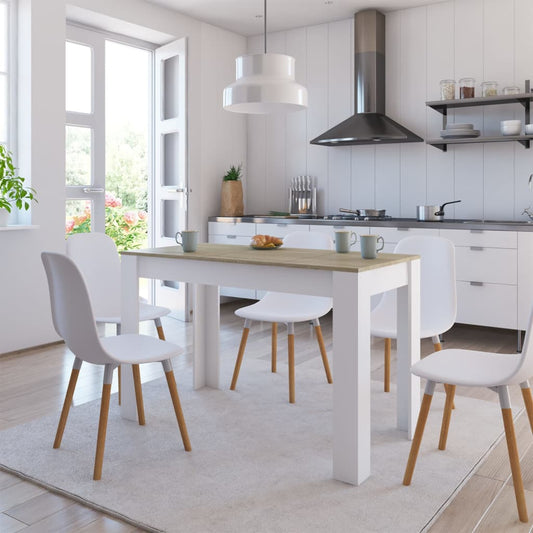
[
  {"x": 92, "y": 189},
  {"x": 476, "y": 248},
  {"x": 476, "y": 283}
]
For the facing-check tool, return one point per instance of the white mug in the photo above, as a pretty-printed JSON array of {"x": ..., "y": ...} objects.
[
  {"x": 189, "y": 240},
  {"x": 369, "y": 246},
  {"x": 344, "y": 240}
]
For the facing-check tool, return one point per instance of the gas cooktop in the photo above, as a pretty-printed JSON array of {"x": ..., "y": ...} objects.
[{"x": 348, "y": 216}]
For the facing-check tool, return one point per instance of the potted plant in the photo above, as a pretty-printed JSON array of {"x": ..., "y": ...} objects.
[
  {"x": 12, "y": 189},
  {"x": 231, "y": 202}
]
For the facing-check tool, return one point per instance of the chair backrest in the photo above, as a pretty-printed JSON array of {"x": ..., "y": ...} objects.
[
  {"x": 71, "y": 308},
  {"x": 438, "y": 293},
  {"x": 524, "y": 369},
  {"x": 317, "y": 240},
  {"x": 96, "y": 256}
]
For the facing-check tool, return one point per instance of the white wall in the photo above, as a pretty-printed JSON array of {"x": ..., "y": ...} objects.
[
  {"x": 216, "y": 139},
  {"x": 485, "y": 39}
]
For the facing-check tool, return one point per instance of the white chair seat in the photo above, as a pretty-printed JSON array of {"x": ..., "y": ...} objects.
[
  {"x": 468, "y": 367},
  {"x": 134, "y": 349},
  {"x": 285, "y": 307},
  {"x": 146, "y": 312}
]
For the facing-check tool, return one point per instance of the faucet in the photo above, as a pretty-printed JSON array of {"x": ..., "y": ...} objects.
[{"x": 527, "y": 211}]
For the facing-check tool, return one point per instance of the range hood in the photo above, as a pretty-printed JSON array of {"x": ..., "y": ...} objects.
[{"x": 370, "y": 124}]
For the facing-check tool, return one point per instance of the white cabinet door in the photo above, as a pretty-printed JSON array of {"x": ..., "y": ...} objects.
[{"x": 525, "y": 278}]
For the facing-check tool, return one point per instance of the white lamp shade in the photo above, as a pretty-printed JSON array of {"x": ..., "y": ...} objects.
[{"x": 264, "y": 84}]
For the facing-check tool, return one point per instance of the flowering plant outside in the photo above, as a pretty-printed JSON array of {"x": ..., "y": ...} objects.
[{"x": 127, "y": 227}]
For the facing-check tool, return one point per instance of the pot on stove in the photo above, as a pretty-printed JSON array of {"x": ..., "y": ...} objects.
[
  {"x": 431, "y": 213},
  {"x": 365, "y": 212}
]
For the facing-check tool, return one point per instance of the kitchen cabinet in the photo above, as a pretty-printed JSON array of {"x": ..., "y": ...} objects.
[
  {"x": 525, "y": 278},
  {"x": 280, "y": 229},
  {"x": 442, "y": 106},
  {"x": 487, "y": 277},
  {"x": 392, "y": 236}
]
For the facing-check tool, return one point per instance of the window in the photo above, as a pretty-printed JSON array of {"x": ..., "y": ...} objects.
[{"x": 6, "y": 74}]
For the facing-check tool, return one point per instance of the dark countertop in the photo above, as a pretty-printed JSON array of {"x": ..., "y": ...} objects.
[{"x": 499, "y": 225}]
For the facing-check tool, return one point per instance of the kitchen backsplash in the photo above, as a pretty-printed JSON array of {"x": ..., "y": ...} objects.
[{"x": 485, "y": 39}]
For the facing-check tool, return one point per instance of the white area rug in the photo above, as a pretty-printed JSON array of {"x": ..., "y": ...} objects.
[{"x": 258, "y": 463}]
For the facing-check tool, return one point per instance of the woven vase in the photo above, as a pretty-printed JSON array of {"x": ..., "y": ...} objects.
[{"x": 231, "y": 202}]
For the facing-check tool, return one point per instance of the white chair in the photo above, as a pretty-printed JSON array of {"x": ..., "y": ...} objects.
[
  {"x": 477, "y": 369},
  {"x": 97, "y": 257},
  {"x": 438, "y": 298},
  {"x": 74, "y": 321},
  {"x": 277, "y": 307}
]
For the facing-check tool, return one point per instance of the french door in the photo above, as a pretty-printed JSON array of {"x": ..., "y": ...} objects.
[{"x": 126, "y": 171}]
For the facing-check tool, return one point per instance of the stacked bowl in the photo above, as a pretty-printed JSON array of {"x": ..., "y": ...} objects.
[{"x": 459, "y": 131}]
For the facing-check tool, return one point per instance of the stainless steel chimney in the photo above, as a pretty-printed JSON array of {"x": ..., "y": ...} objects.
[{"x": 370, "y": 124}]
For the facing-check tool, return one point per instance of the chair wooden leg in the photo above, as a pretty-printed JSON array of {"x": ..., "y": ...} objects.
[
  {"x": 66, "y": 405},
  {"x": 171, "y": 381},
  {"x": 240, "y": 355},
  {"x": 528, "y": 402},
  {"x": 119, "y": 385},
  {"x": 274, "y": 346},
  {"x": 323, "y": 353},
  {"x": 138, "y": 394},
  {"x": 290, "y": 341},
  {"x": 446, "y": 416},
  {"x": 102, "y": 429},
  {"x": 386, "y": 376},
  {"x": 515, "y": 464},
  {"x": 159, "y": 327},
  {"x": 438, "y": 348},
  {"x": 419, "y": 431}
]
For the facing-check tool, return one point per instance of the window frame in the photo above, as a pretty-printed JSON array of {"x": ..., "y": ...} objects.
[{"x": 11, "y": 73}]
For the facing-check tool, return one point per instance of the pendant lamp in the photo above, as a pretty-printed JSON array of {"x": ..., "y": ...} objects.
[{"x": 264, "y": 84}]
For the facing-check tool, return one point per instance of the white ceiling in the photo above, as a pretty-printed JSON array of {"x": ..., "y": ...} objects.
[{"x": 245, "y": 16}]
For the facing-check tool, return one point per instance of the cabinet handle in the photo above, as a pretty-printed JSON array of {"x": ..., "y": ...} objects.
[
  {"x": 477, "y": 248},
  {"x": 476, "y": 283},
  {"x": 282, "y": 225},
  {"x": 231, "y": 236},
  {"x": 402, "y": 229},
  {"x": 476, "y": 231}
]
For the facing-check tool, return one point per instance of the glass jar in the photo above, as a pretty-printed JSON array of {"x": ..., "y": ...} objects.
[
  {"x": 511, "y": 90},
  {"x": 447, "y": 89},
  {"x": 489, "y": 88},
  {"x": 467, "y": 88}
]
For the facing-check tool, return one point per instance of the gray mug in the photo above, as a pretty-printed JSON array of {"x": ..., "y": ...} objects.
[
  {"x": 344, "y": 240},
  {"x": 189, "y": 240},
  {"x": 369, "y": 245}
]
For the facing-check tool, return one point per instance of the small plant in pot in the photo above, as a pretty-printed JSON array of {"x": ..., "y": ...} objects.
[
  {"x": 231, "y": 200},
  {"x": 13, "y": 193}
]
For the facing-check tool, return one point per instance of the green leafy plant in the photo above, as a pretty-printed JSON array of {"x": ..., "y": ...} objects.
[
  {"x": 233, "y": 174},
  {"x": 12, "y": 189},
  {"x": 127, "y": 227}
]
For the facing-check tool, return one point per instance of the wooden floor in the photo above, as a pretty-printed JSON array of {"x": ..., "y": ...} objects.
[{"x": 33, "y": 383}]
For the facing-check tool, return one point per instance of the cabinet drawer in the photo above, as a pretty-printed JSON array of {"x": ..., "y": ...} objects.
[
  {"x": 231, "y": 228},
  {"x": 281, "y": 229},
  {"x": 491, "y": 265},
  {"x": 394, "y": 235},
  {"x": 488, "y": 304},
  {"x": 230, "y": 239},
  {"x": 495, "y": 239}
]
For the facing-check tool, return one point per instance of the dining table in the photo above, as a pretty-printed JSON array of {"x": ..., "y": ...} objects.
[{"x": 347, "y": 278}]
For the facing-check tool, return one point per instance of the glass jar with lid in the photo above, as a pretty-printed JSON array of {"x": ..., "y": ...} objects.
[
  {"x": 489, "y": 88},
  {"x": 467, "y": 88},
  {"x": 447, "y": 89},
  {"x": 511, "y": 90}
]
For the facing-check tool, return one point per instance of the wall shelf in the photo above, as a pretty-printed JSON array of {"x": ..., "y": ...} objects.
[{"x": 442, "y": 107}]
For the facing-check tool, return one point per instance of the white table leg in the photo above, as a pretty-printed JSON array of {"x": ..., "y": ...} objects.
[
  {"x": 206, "y": 319},
  {"x": 129, "y": 324},
  {"x": 408, "y": 349},
  {"x": 351, "y": 378}
]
